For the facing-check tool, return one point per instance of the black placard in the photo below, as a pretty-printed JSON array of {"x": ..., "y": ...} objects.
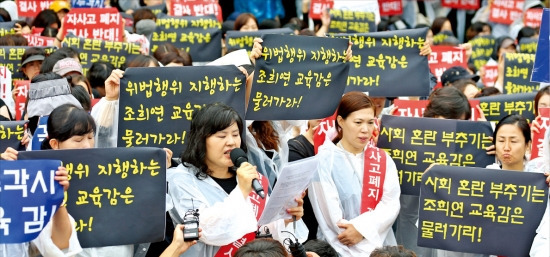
[
  {"x": 93, "y": 50},
  {"x": 235, "y": 40},
  {"x": 157, "y": 104},
  {"x": 134, "y": 213},
  {"x": 7, "y": 28},
  {"x": 528, "y": 45},
  {"x": 415, "y": 143},
  {"x": 382, "y": 59},
  {"x": 10, "y": 57},
  {"x": 199, "y": 36},
  {"x": 477, "y": 210},
  {"x": 482, "y": 49},
  {"x": 11, "y": 134},
  {"x": 517, "y": 73},
  {"x": 298, "y": 78},
  {"x": 348, "y": 21},
  {"x": 497, "y": 106}
]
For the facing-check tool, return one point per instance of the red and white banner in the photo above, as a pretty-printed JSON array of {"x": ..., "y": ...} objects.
[
  {"x": 538, "y": 137},
  {"x": 533, "y": 17},
  {"x": 317, "y": 6},
  {"x": 444, "y": 57},
  {"x": 490, "y": 75},
  {"x": 415, "y": 108},
  {"x": 30, "y": 8},
  {"x": 195, "y": 8},
  {"x": 461, "y": 4},
  {"x": 39, "y": 40},
  {"x": 506, "y": 11},
  {"x": 390, "y": 7},
  {"x": 95, "y": 23},
  {"x": 21, "y": 94}
]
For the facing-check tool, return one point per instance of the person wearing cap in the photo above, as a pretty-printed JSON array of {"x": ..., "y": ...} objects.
[
  {"x": 61, "y": 7},
  {"x": 67, "y": 66},
  {"x": 503, "y": 45},
  {"x": 32, "y": 61},
  {"x": 456, "y": 73}
]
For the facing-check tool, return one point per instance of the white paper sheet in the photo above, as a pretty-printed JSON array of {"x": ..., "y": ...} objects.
[{"x": 293, "y": 180}]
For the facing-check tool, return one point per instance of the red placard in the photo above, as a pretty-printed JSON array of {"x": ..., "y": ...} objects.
[
  {"x": 506, "y": 11},
  {"x": 21, "y": 92},
  {"x": 390, "y": 7},
  {"x": 95, "y": 23},
  {"x": 415, "y": 108},
  {"x": 317, "y": 6},
  {"x": 39, "y": 40},
  {"x": 444, "y": 57},
  {"x": 533, "y": 17},
  {"x": 490, "y": 75},
  {"x": 461, "y": 4},
  {"x": 538, "y": 137},
  {"x": 30, "y": 8},
  {"x": 195, "y": 8}
]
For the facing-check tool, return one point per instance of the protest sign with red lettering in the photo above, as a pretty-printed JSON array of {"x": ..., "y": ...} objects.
[
  {"x": 415, "y": 108},
  {"x": 538, "y": 137},
  {"x": 444, "y": 57},
  {"x": 490, "y": 75},
  {"x": 533, "y": 17},
  {"x": 21, "y": 93},
  {"x": 195, "y": 8},
  {"x": 461, "y": 4},
  {"x": 39, "y": 40},
  {"x": 317, "y": 6},
  {"x": 95, "y": 23},
  {"x": 31, "y": 8},
  {"x": 390, "y": 7},
  {"x": 506, "y": 11}
]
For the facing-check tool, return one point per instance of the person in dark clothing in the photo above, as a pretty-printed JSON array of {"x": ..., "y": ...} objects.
[{"x": 299, "y": 148}]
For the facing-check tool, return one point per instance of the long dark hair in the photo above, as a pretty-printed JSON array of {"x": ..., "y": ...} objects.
[
  {"x": 67, "y": 121},
  {"x": 206, "y": 122},
  {"x": 262, "y": 247},
  {"x": 449, "y": 103},
  {"x": 517, "y": 120}
]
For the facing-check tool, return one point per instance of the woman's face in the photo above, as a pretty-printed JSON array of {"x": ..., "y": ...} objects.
[
  {"x": 470, "y": 91},
  {"x": 219, "y": 145},
  {"x": 250, "y": 25},
  {"x": 544, "y": 101},
  {"x": 446, "y": 26},
  {"x": 357, "y": 129},
  {"x": 32, "y": 69},
  {"x": 75, "y": 142},
  {"x": 510, "y": 145}
]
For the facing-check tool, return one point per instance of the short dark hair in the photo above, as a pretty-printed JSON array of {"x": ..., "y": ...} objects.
[
  {"x": 262, "y": 247},
  {"x": 392, "y": 251},
  {"x": 320, "y": 247},
  {"x": 81, "y": 95},
  {"x": 46, "y": 18},
  {"x": 99, "y": 72},
  {"x": 60, "y": 54},
  {"x": 514, "y": 119},
  {"x": 461, "y": 84},
  {"x": 243, "y": 19},
  {"x": 67, "y": 121},
  {"x": 142, "y": 61},
  {"x": 206, "y": 122},
  {"x": 449, "y": 103}
]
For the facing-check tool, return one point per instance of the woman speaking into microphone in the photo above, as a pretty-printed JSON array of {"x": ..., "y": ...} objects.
[{"x": 207, "y": 180}]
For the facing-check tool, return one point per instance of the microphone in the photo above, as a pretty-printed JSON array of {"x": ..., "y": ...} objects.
[{"x": 238, "y": 156}]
